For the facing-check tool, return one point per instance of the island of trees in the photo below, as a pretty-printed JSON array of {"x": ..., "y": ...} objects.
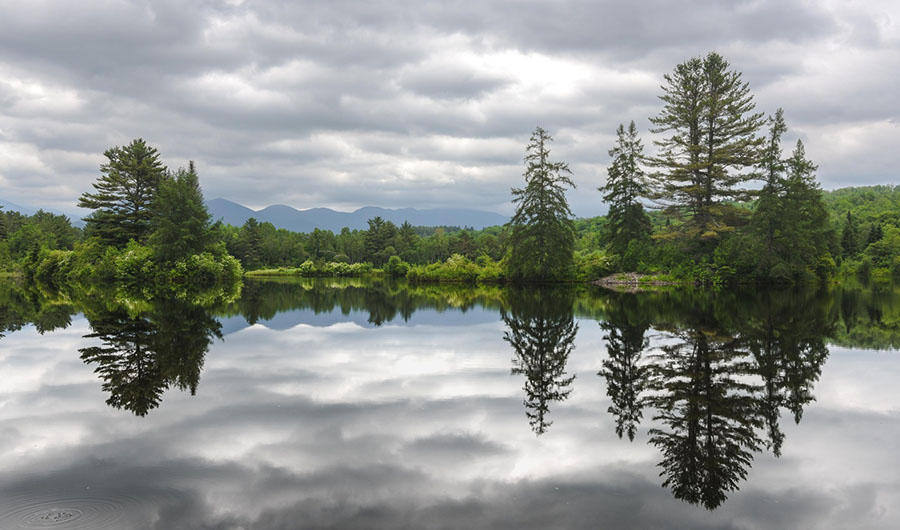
[{"x": 718, "y": 202}]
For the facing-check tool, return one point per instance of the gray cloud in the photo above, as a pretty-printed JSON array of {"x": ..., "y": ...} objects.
[{"x": 399, "y": 104}]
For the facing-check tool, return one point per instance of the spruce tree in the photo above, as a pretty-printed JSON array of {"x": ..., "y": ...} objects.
[
  {"x": 790, "y": 221},
  {"x": 542, "y": 233},
  {"x": 625, "y": 185},
  {"x": 124, "y": 195},
  {"x": 181, "y": 222},
  {"x": 712, "y": 141},
  {"x": 850, "y": 237}
]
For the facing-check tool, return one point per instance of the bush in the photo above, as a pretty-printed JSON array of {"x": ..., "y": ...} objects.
[
  {"x": 54, "y": 267},
  {"x": 396, "y": 267},
  {"x": 134, "y": 265},
  {"x": 593, "y": 265}
]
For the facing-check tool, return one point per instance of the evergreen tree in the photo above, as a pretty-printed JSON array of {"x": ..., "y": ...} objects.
[
  {"x": 407, "y": 243},
  {"x": 790, "y": 221},
  {"x": 712, "y": 139},
  {"x": 378, "y": 238},
  {"x": 181, "y": 222},
  {"x": 804, "y": 211},
  {"x": 542, "y": 237},
  {"x": 124, "y": 195},
  {"x": 850, "y": 237},
  {"x": 875, "y": 234},
  {"x": 250, "y": 245},
  {"x": 625, "y": 185}
]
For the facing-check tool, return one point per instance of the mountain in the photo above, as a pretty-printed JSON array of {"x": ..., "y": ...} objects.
[
  {"x": 283, "y": 216},
  {"x": 10, "y": 206},
  {"x": 13, "y": 207}
]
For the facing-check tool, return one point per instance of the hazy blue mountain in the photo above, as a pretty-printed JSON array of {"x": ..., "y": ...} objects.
[
  {"x": 10, "y": 206},
  {"x": 13, "y": 207},
  {"x": 283, "y": 216}
]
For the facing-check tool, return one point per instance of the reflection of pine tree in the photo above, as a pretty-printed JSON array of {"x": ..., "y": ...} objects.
[
  {"x": 788, "y": 344},
  {"x": 709, "y": 415},
  {"x": 141, "y": 356},
  {"x": 126, "y": 362},
  {"x": 542, "y": 333},
  {"x": 625, "y": 376}
]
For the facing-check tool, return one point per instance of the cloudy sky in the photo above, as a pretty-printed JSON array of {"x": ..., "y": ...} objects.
[{"x": 399, "y": 103}]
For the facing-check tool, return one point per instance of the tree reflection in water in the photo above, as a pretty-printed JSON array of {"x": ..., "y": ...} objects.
[
  {"x": 716, "y": 382},
  {"x": 542, "y": 332},
  {"x": 143, "y": 355}
]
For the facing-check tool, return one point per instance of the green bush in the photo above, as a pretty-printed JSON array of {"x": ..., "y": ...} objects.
[
  {"x": 593, "y": 265},
  {"x": 134, "y": 265},
  {"x": 396, "y": 267}
]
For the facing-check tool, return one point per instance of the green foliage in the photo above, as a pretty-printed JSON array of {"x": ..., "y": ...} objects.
[
  {"x": 593, "y": 265},
  {"x": 396, "y": 267},
  {"x": 712, "y": 141},
  {"x": 625, "y": 185},
  {"x": 542, "y": 234},
  {"x": 790, "y": 223},
  {"x": 124, "y": 194},
  {"x": 180, "y": 223},
  {"x": 457, "y": 268},
  {"x": 850, "y": 237}
]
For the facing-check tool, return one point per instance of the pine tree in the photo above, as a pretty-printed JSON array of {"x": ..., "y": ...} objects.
[
  {"x": 625, "y": 185},
  {"x": 790, "y": 221},
  {"x": 712, "y": 141},
  {"x": 542, "y": 237},
  {"x": 181, "y": 222},
  {"x": 850, "y": 237},
  {"x": 123, "y": 199}
]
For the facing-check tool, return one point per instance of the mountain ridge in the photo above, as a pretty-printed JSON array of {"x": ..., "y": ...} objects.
[{"x": 290, "y": 218}]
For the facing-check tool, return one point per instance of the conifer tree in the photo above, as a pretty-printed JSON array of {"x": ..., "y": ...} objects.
[
  {"x": 790, "y": 220},
  {"x": 181, "y": 222},
  {"x": 625, "y": 185},
  {"x": 850, "y": 236},
  {"x": 123, "y": 199},
  {"x": 709, "y": 117},
  {"x": 542, "y": 237}
]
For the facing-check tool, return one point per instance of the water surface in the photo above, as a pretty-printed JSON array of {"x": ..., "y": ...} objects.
[{"x": 371, "y": 404}]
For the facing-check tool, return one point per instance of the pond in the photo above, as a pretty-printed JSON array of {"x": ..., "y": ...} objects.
[{"x": 376, "y": 404}]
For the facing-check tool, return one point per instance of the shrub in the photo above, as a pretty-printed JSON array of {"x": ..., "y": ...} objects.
[{"x": 396, "y": 267}]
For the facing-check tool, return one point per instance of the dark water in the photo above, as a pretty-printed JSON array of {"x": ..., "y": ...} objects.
[{"x": 352, "y": 404}]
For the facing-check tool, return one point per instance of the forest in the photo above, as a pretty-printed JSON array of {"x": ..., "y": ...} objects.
[{"x": 719, "y": 202}]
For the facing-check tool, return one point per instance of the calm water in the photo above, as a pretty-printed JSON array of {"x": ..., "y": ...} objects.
[{"x": 347, "y": 404}]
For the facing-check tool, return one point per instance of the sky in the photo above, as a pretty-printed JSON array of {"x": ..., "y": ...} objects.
[{"x": 407, "y": 103}]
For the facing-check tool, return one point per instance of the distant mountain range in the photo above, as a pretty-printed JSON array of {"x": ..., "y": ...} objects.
[
  {"x": 327, "y": 219},
  {"x": 10, "y": 206},
  {"x": 322, "y": 218}
]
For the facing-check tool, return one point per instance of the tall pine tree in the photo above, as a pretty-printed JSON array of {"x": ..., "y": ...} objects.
[
  {"x": 712, "y": 141},
  {"x": 181, "y": 222},
  {"x": 124, "y": 195},
  {"x": 790, "y": 221},
  {"x": 625, "y": 185},
  {"x": 542, "y": 237}
]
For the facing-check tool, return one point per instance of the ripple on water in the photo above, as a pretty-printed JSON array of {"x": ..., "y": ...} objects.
[{"x": 87, "y": 510}]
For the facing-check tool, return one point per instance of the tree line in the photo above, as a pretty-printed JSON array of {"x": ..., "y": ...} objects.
[{"x": 719, "y": 201}]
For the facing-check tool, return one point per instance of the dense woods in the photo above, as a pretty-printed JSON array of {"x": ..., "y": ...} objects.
[{"x": 718, "y": 202}]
